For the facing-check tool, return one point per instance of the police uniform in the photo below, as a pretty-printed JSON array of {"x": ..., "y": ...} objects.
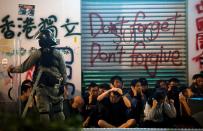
[{"x": 49, "y": 96}]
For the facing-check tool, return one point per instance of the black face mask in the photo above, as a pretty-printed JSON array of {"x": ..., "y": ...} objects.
[{"x": 43, "y": 43}]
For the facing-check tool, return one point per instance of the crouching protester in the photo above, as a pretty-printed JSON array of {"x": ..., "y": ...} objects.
[
  {"x": 159, "y": 111},
  {"x": 26, "y": 88},
  {"x": 49, "y": 76}
]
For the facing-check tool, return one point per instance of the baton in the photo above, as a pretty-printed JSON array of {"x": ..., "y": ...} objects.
[{"x": 30, "y": 99}]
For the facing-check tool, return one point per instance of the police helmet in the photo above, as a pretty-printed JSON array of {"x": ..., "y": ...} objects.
[{"x": 46, "y": 38}]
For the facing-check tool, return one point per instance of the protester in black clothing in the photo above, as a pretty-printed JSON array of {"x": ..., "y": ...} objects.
[
  {"x": 194, "y": 80},
  {"x": 113, "y": 110},
  {"x": 73, "y": 107},
  {"x": 174, "y": 90},
  {"x": 26, "y": 88},
  {"x": 186, "y": 114},
  {"x": 93, "y": 92},
  {"x": 145, "y": 88},
  {"x": 197, "y": 86},
  {"x": 137, "y": 99},
  {"x": 91, "y": 106}
]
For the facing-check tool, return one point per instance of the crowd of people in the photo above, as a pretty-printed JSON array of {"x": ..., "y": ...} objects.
[
  {"x": 165, "y": 105},
  {"x": 107, "y": 105},
  {"x": 112, "y": 106}
]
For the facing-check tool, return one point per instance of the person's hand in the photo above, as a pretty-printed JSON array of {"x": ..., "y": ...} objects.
[
  {"x": 166, "y": 100},
  {"x": 134, "y": 91},
  {"x": 190, "y": 93},
  {"x": 116, "y": 90},
  {"x": 119, "y": 91},
  {"x": 169, "y": 88},
  {"x": 86, "y": 122},
  {"x": 10, "y": 68},
  {"x": 112, "y": 86},
  {"x": 154, "y": 103},
  {"x": 182, "y": 97},
  {"x": 90, "y": 98},
  {"x": 113, "y": 89},
  {"x": 171, "y": 101}
]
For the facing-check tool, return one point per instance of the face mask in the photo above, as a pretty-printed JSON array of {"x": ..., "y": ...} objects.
[{"x": 42, "y": 43}]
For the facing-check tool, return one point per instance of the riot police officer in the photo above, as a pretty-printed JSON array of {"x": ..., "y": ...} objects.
[{"x": 49, "y": 95}]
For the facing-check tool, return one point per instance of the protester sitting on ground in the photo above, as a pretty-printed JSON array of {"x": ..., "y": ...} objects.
[
  {"x": 194, "y": 81},
  {"x": 137, "y": 99},
  {"x": 113, "y": 110},
  {"x": 91, "y": 106},
  {"x": 160, "y": 111},
  {"x": 174, "y": 88},
  {"x": 26, "y": 88},
  {"x": 107, "y": 93},
  {"x": 73, "y": 107},
  {"x": 148, "y": 92},
  {"x": 186, "y": 113},
  {"x": 197, "y": 87},
  {"x": 92, "y": 94}
]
